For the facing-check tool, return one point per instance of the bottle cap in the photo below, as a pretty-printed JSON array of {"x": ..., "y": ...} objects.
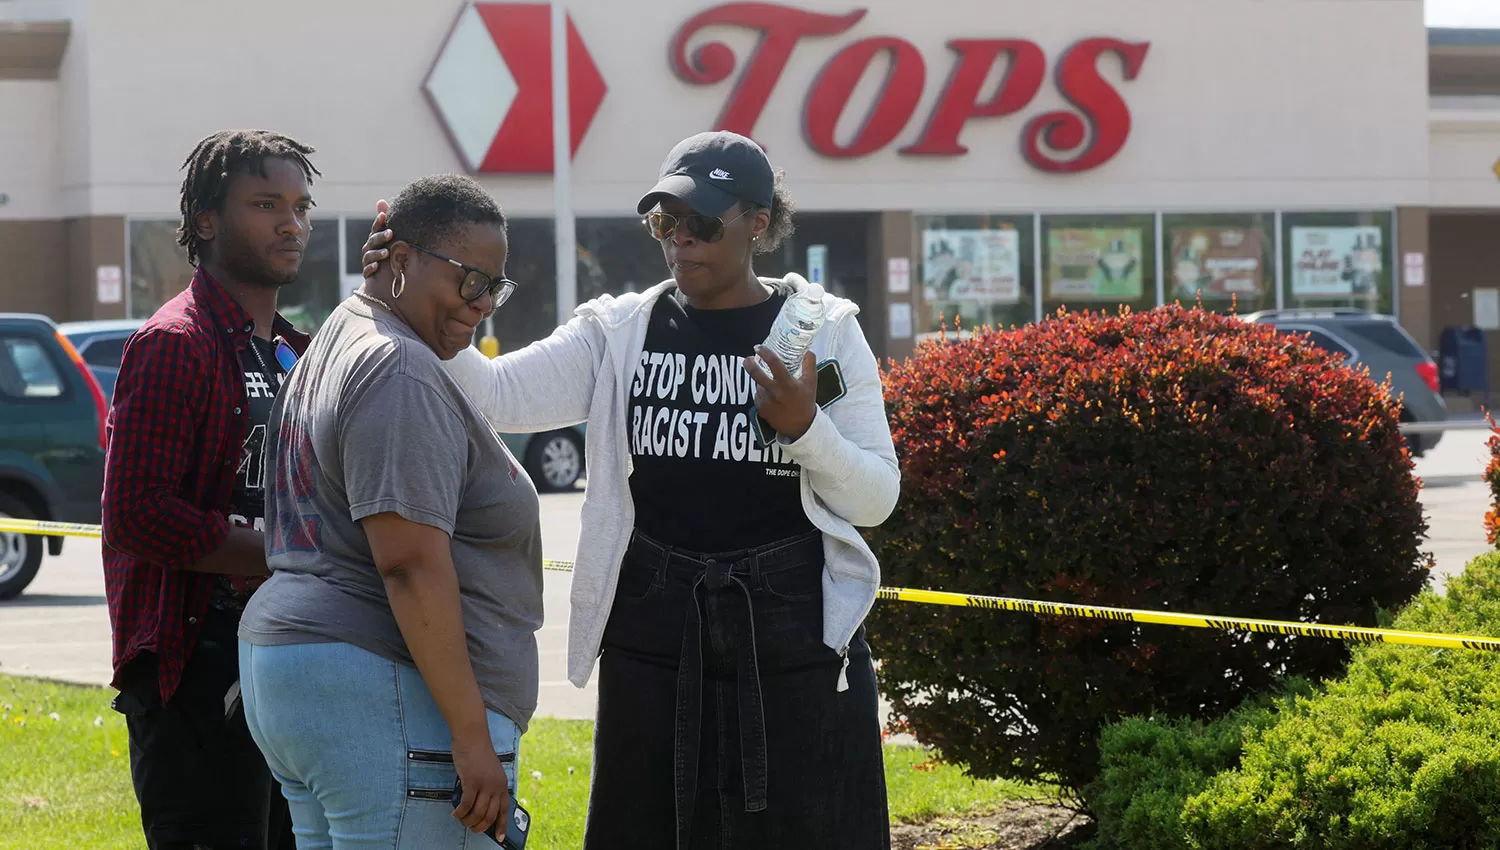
[{"x": 814, "y": 291}]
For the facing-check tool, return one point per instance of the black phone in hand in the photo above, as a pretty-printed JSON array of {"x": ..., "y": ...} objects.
[
  {"x": 517, "y": 826},
  {"x": 831, "y": 388}
]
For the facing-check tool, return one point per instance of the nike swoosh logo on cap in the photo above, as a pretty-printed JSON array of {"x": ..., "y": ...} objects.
[{"x": 719, "y": 174}]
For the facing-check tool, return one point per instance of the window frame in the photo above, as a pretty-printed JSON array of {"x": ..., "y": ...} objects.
[
  {"x": 1351, "y": 353},
  {"x": 93, "y": 342},
  {"x": 65, "y": 393}
]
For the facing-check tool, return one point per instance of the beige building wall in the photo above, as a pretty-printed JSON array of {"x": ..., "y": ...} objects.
[
  {"x": 33, "y": 242},
  {"x": 33, "y": 267},
  {"x": 30, "y": 168},
  {"x": 1223, "y": 116},
  {"x": 1232, "y": 111},
  {"x": 1465, "y": 153}
]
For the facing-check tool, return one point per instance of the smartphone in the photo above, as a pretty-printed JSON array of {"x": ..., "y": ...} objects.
[
  {"x": 517, "y": 827},
  {"x": 831, "y": 388}
]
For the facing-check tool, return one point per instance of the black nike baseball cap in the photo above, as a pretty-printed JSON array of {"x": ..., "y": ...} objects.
[{"x": 711, "y": 171}]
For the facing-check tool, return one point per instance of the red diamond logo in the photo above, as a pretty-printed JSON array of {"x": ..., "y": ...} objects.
[{"x": 492, "y": 87}]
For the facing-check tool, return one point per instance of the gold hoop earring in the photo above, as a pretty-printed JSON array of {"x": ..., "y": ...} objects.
[{"x": 399, "y": 286}]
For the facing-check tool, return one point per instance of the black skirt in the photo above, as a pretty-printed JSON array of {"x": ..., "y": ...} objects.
[{"x": 720, "y": 721}]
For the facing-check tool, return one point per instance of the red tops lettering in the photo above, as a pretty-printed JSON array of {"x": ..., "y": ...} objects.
[{"x": 1063, "y": 141}]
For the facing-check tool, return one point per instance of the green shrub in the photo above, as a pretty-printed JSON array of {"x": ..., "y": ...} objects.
[
  {"x": 1401, "y": 754},
  {"x": 1149, "y": 767},
  {"x": 1174, "y": 459}
]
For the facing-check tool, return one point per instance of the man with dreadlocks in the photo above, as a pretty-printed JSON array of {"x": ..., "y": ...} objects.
[{"x": 183, "y": 499}]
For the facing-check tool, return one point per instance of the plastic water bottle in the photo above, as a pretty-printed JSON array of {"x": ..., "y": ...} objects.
[{"x": 792, "y": 333}]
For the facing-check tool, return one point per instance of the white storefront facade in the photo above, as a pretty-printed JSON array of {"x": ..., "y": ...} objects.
[{"x": 991, "y": 160}]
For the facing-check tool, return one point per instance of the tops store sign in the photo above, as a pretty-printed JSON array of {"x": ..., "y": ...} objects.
[
  {"x": 1086, "y": 139},
  {"x": 492, "y": 87}
]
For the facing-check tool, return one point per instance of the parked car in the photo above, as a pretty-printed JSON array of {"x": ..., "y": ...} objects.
[
  {"x": 553, "y": 459},
  {"x": 949, "y": 335},
  {"x": 101, "y": 344},
  {"x": 1379, "y": 342},
  {"x": 51, "y": 441}
]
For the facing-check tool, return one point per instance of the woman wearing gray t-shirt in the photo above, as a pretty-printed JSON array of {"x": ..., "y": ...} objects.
[
  {"x": 393, "y": 651},
  {"x": 722, "y": 583}
]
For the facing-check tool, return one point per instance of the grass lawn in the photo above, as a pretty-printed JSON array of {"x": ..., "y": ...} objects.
[{"x": 65, "y": 780}]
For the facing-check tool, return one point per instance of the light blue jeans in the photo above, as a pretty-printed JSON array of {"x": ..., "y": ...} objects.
[{"x": 361, "y": 751}]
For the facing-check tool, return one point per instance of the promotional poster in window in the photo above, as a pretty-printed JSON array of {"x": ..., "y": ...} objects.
[
  {"x": 1095, "y": 264},
  {"x": 1336, "y": 262},
  {"x": 1217, "y": 262}
]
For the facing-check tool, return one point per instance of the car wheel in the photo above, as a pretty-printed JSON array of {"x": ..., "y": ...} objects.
[
  {"x": 554, "y": 460},
  {"x": 20, "y": 554}
]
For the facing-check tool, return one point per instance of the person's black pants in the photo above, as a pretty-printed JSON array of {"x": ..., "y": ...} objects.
[
  {"x": 199, "y": 778},
  {"x": 720, "y": 724}
]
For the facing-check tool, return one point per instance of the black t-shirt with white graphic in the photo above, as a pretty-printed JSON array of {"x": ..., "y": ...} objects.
[
  {"x": 699, "y": 481},
  {"x": 247, "y": 503}
]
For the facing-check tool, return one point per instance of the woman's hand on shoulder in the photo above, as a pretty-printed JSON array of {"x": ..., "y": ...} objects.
[{"x": 375, "y": 251}]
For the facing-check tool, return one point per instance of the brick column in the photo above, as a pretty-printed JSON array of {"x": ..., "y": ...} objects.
[
  {"x": 892, "y": 239},
  {"x": 94, "y": 242},
  {"x": 1414, "y": 308}
]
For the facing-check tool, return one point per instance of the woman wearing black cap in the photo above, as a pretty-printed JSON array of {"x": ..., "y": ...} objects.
[{"x": 720, "y": 582}]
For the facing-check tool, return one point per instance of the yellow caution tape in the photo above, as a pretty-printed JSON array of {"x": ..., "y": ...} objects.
[
  {"x": 1357, "y": 634},
  {"x": 78, "y": 529},
  {"x": 1168, "y": 618},
  {"x": 51, "y": 529}
]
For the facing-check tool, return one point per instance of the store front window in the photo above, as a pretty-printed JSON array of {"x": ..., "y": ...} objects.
[
  {"x": 975, "y": 270},
  {"x": 1338, "y": 260},
  {"x": 356, "y": 231},
  {"x": 1099, "y": 263},
  {"x": 616, "y": 255},
  {"x": 159, "y": 270},
  {"x": 158, "y": 265},
  {"x": 531, "y": 313},
  {"x": 1225, "y": 261},
  {"x": 307, "y": 302},
  {"x": 832, "y": 246}
]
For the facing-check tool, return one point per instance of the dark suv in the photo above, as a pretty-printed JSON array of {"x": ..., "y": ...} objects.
[
  {"x": 101, "y": 345},
  {"x": 1379, "y": 342},
  {"x": 51, "y": 441}
]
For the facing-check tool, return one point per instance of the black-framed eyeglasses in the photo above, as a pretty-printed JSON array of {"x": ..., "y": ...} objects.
[
  {"x": 475, "y": 283},
  {"x": 705, "y": 228}
]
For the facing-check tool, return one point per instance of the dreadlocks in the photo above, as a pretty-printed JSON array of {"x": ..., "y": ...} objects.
[{"x": 225, "y": 153}]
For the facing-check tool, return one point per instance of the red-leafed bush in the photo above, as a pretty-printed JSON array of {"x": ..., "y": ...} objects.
[
  {"x": 1175, "y": 459},
  {"x": 1492, "y": 477}
]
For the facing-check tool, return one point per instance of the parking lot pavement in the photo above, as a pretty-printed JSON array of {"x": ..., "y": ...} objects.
[
  {"x": 59, "y": 628},
  {"x": 1455, "y": 499}
]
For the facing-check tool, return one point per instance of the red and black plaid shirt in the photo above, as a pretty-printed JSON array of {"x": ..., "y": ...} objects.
[{"x": 174, "y": 439}]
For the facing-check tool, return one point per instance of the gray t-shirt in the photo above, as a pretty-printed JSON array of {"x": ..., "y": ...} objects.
[{"x": 369, "y": 422}]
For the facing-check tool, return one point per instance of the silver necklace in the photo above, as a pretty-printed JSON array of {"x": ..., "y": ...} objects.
[{"x": 368, "y": 297}]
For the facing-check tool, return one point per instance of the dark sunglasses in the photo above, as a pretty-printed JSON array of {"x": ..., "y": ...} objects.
[
  {"x": 475, "y": 282},
  {"x": 704, "y": 228}
]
